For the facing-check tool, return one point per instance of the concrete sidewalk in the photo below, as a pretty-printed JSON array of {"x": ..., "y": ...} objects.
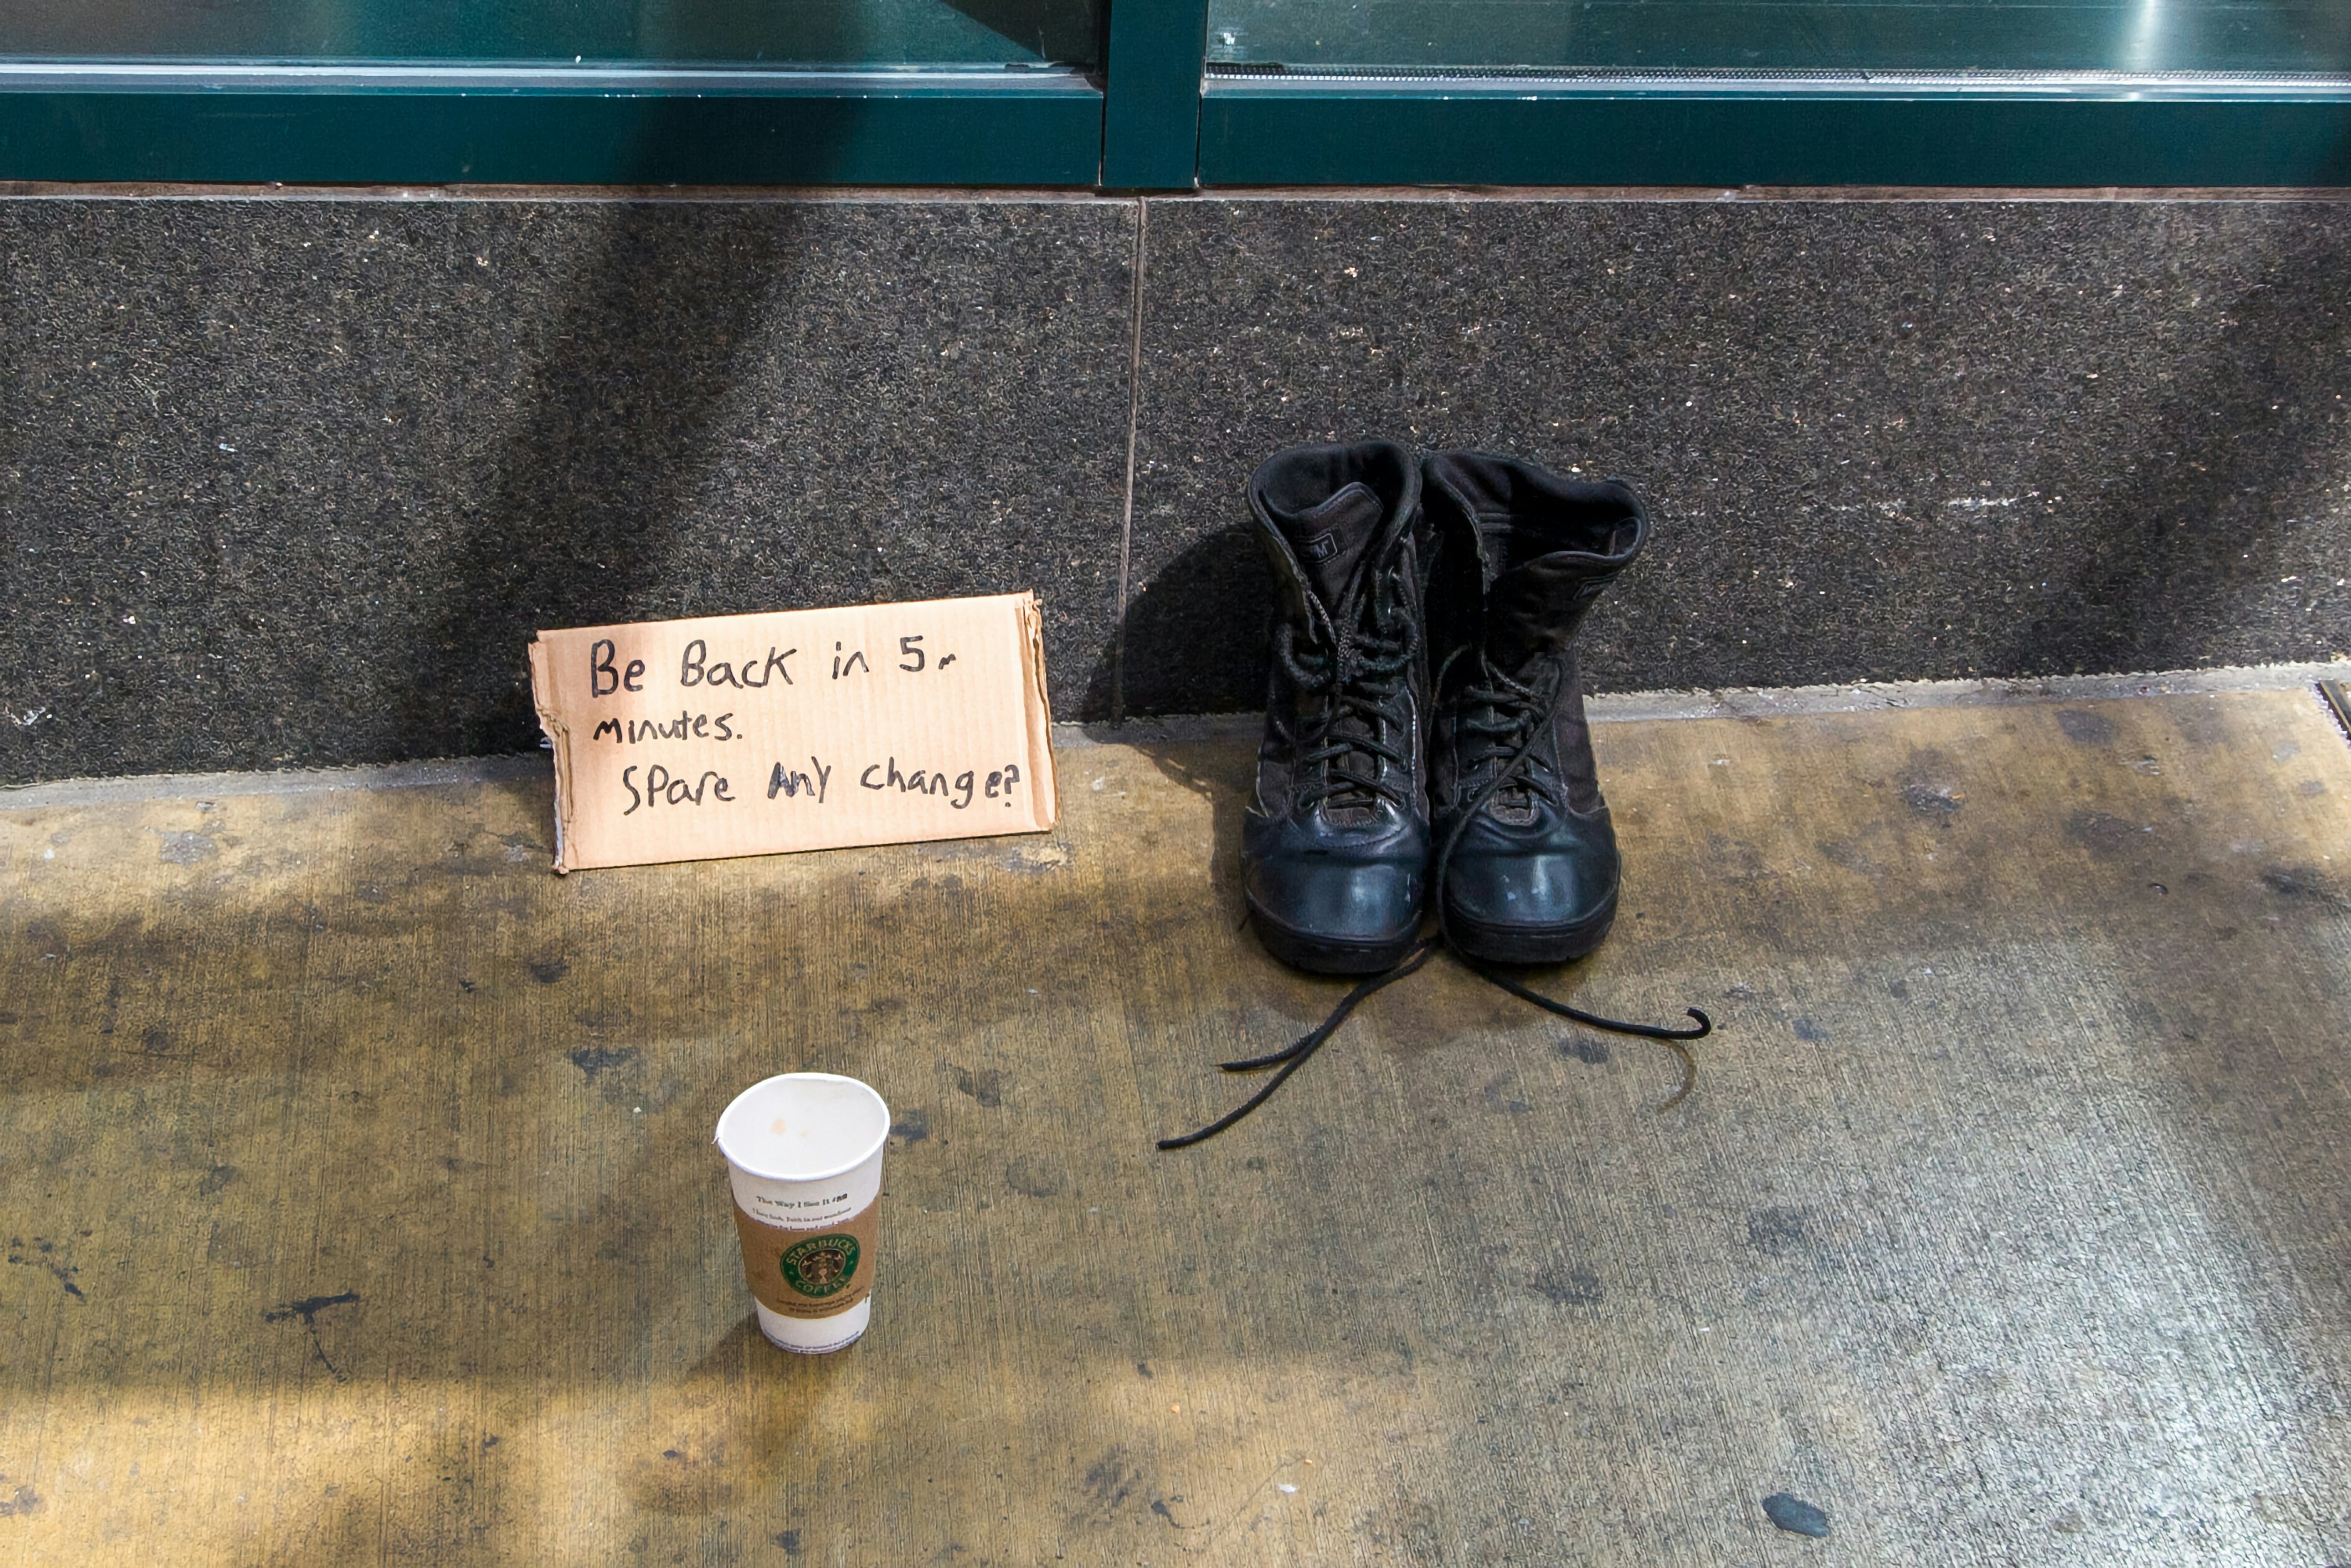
[{"x": 359, "y": 1205}]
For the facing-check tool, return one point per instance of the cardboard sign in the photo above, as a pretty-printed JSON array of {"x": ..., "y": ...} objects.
[{"x": 809, "y": 729}]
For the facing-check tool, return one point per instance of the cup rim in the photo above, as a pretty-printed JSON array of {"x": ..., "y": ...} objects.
[{"x": 717, "y": 1134}]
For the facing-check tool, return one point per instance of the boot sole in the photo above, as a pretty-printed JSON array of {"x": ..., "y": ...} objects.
[
  {"x": 1497, "y": 943},
  {"x": 1324, "y": 955}
]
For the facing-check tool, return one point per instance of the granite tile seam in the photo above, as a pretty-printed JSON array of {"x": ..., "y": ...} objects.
[
  {"x": 1782, "y": 702},
  {"x": 1134, "y": 436}
]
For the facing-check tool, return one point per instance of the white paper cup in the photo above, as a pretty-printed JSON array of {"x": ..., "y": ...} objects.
[{"x": 804, "y": 1158}]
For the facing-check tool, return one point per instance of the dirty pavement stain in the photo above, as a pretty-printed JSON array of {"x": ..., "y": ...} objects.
[
  {"x": 2304, "y": 882},
  {"x": 2104, "y": 833},
  {"x": 2083, "y": 728},
  {"x": 1934, "y": 799},
  {"x": 186, "y": 849},
  {"x": 1499, "y": 1098},
  {"x": 1570, "y": 1287},
  {"x": 41, "y": 1255},
  {"x": 1033, "y": 1178},
  {"x": 1778, "y": 1231},
  {"x": 591, "y": 1059},
  {"x": 1111, "y": 1480},
  {"x": 1795, "y": 1516},
  {"x": 308, "y": 1309},
  {"x": 985, "y": 1086}
]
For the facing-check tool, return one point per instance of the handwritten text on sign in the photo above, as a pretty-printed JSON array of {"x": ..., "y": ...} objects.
[{"x": 802, "y": 729}]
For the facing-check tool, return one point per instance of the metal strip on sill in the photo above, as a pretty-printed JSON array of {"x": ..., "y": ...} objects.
[
  {"x": 23, "y": 76},
  {"x": 1229, "y": 79}
]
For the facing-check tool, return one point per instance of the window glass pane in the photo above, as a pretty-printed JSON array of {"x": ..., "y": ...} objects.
[
  {"x": 727, "y": 34},
  {"x": 2136, "y": 37}
]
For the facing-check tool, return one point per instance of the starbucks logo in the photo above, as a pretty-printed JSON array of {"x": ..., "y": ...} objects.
[{"x": 821, "y": 1266}]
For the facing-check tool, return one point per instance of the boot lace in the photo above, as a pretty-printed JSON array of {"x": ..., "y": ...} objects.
[
  {"x": 1356, "y": 671},
  {"x": 1513, "y": 718},
  {"x": 1502, "y": 719}
]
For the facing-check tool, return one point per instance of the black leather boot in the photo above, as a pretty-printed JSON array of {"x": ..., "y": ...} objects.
[
  {"x": 1335, "y": 851},
  {"x": 1526, "y": 862}
]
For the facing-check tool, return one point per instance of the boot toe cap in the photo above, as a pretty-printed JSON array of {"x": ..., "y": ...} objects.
[
  {"x": 1537, "y": 892},
  {"x": 1331, "y": 898}
]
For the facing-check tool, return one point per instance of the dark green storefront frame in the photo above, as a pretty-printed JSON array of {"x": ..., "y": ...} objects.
[
  {"x": 1043, "y": 129},
  {"x": 1324, "y": 133},
  {"x": 1150, "y": 120}
]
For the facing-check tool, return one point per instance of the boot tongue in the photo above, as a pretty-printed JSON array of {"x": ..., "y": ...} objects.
[{"x": 1330, "y": 539}]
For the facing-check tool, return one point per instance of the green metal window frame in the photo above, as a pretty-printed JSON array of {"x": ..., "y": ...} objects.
[
  {"x": 1158, "y": 116},
  {"x": 2019, "y": 132},
  {"x": 360, "y": 125}
]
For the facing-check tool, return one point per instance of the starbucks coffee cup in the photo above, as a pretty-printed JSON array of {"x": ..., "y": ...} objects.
[{"x": 804, "y": 1157}]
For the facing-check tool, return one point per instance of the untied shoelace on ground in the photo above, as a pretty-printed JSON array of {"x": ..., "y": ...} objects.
[{"x": 1531, "y": 712}]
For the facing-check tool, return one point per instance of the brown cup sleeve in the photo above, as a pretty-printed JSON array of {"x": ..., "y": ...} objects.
[{"x": 816, "y": 1273}]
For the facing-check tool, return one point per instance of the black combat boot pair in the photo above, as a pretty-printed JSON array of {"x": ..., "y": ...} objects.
[
  {"x": 1425, "y": 751},
  {"x": 1425, "y": 706}
]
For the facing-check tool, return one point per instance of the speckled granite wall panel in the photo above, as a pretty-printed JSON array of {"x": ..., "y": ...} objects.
[
  {"x": 1885, "y": 439},
  {"x": 293, "y": 481}
]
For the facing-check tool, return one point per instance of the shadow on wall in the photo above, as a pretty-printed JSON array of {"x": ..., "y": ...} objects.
[
  {"x": 1215, "y": 599},
  {"x": 596, "y": 479},
  {"x": 1199, "y": 639},
  {"x": 2242, "y": 448},
  {"x": 596, "y": 488}
]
